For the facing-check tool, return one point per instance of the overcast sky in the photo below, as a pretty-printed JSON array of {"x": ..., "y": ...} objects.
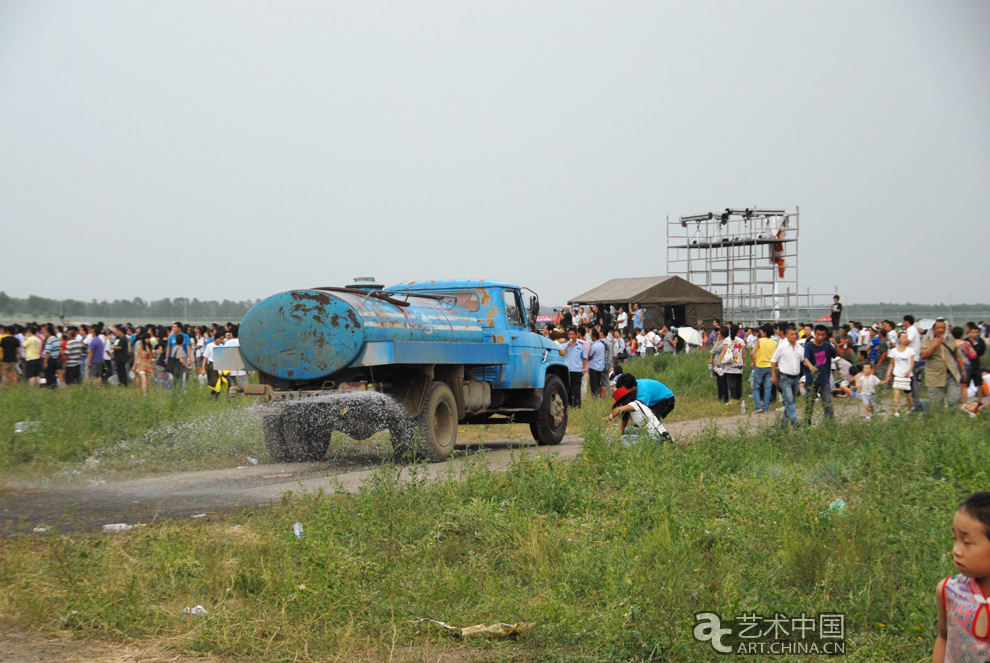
[{"x": 237, "y": 149}]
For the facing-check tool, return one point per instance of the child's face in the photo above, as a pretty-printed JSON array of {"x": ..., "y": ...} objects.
[
  {"x": 867, "y": 370},
  {"x": 970, "y": 546}
]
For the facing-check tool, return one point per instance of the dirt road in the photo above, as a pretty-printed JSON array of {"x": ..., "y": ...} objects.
[{"x": 187, "y": 494}]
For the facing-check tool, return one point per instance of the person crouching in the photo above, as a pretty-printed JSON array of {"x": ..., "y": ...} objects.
[{"x": 635, "y": 416}]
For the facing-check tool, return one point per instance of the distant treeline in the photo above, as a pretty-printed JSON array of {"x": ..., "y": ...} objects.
[{"x": 122, "y": 310}]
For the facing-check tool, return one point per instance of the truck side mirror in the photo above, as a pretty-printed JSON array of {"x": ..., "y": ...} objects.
[{"x": 534, "y": 307}]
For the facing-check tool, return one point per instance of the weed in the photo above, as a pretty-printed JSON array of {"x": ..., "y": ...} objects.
[{"x": 611, "y": 554}]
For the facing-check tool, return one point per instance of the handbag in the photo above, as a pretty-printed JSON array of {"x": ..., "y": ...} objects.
[
  {"x": 727, "y": 357},
  {"x": 902, "y": 384}
]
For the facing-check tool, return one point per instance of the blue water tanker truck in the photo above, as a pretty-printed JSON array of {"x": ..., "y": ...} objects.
[{"x": 436, "y": 354}]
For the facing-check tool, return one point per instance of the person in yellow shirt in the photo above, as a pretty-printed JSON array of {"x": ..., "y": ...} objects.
[
  {"x": 762, "y": 353},
  {"x": 32, "y": 356}
]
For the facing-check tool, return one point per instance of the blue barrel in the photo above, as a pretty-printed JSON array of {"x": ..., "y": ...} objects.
[{"x": 314, "y": 333}]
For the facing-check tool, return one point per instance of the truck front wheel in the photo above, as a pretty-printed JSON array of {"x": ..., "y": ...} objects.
[
  {"x": 435, "y": 429},
  {"x": 551, "y": 419}
]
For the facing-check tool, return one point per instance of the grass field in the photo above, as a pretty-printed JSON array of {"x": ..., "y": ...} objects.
[
  {"x": 113, "y": 432},
  {"x": 611, "y": 555}
]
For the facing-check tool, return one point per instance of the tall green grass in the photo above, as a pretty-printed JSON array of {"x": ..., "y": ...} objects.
[{"x": 611, "y": 554}]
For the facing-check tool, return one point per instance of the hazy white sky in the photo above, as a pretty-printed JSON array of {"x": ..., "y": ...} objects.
[{"x": 237, "y": 149}]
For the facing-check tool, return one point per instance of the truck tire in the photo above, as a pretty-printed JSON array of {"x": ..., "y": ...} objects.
[
  {"x": 303, "y": 441},
  {"x": 271, "y": 425},
  {"x": 434, "y": 430},
  {"x": 551, "y": 419}
]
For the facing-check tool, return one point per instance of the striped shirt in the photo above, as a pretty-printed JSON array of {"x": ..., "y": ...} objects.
[
  {"x": 53, "y": 347},
  {"x": 73, "y": 352}
]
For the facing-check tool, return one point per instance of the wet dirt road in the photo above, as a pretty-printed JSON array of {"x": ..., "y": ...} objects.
[{"x": 186, "y": 494}]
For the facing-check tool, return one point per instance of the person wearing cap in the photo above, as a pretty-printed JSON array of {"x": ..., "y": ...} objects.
[
  {"x": 876, "y": 344},
  {"x": 634, "y": 414},
  {"x": 655, "y": 395}
]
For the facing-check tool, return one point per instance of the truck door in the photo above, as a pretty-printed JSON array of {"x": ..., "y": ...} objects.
[{"x": 525, "y": 348}]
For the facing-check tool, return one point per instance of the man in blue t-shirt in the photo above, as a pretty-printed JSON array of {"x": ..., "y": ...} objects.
[
  {"x": 818, "y": 356},
  {"x": 653, "y": 394}
]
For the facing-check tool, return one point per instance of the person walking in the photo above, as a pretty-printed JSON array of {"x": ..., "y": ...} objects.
[
  {"x": 818, "y": 356},
  {"x": 762, "y": 356},
  {"x": 900, "y": 367},
  {"x": 785, "y": 367}
]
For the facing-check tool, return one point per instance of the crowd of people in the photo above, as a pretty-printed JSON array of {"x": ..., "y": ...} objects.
[
  {"x": 787, "y": 360},
  {"x": 812, "y": 360},
  {"x": 51, "y": 356}
]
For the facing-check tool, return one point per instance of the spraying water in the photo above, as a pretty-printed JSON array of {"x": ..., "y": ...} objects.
[{"x": 302, "y": 429}]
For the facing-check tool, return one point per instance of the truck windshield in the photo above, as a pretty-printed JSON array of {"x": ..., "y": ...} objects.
[{"x": 466, "y": 299}]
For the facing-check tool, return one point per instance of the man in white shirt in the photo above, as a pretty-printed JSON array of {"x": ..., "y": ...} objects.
[
  {"x": 786, "y": 372},
  {"x": 653, "y": 341},
  {"x": 618, "y": 345},
  {"x": 641, "y": 343},
  {"x": 622, "y": 320},
  {"x": 237, "y": 377}
]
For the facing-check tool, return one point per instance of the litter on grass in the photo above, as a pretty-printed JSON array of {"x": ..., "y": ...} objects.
[
  {"x": 499, "y": 630},
  {"x": 27, "y": 426},
  {"x": 117, "y": 527},
  {"x": 198, "y": 610},
  {"x": 838, "y": 506}
]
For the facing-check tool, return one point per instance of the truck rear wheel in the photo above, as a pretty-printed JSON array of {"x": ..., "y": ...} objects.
[
  {"x": 303, "y": 441},
  {"x": 551, "y": 419},
  {"x": 434, "y": 430},
  {"x": 271, "y": 425}
]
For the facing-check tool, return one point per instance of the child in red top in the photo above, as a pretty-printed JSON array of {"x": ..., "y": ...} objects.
[{"x": 964, "y": 600}]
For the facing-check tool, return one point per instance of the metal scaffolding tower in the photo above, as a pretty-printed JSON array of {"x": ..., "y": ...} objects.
[{"x": 749, "y": 257}]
